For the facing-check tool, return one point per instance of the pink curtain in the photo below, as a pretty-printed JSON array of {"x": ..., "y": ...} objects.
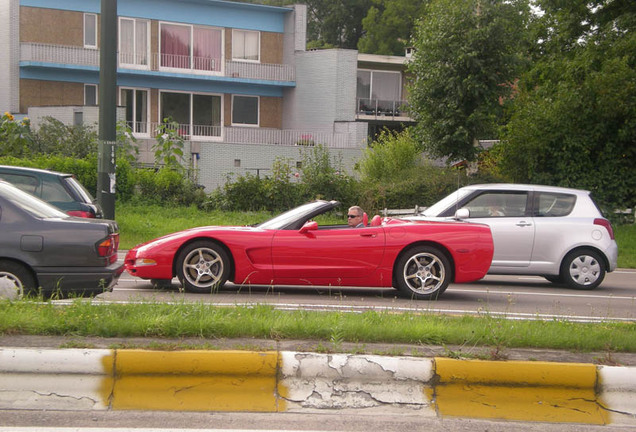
[
  {"x": 207, "y": 49},
  {"x": 175, "y": 46}
]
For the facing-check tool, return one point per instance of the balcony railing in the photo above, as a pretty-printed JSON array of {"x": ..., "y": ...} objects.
[
  {"x": 36, "y": 52},
  {"x": 382, "y": 109},
  {"x": 249, "y": 135}
]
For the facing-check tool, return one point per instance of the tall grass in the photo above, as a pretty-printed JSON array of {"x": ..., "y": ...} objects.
[{"x": 209, "y": 322}]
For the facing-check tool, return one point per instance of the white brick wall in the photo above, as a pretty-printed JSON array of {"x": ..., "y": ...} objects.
[{"x": 217, "y": 160}]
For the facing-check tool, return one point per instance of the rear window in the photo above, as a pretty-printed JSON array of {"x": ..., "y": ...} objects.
[
  {"x": 26, "y": 183},
  {"x": 79, "y": 190},
  {"x": 549, "y": 204},
  {"x": 55, "y": 192},
  {"x": 30, "y": 204}
]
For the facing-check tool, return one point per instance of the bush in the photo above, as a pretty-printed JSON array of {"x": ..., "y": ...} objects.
[{"x": 166, "y": 186}]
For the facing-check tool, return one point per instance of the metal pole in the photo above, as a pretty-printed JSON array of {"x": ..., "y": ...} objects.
[{"x": 107, "y": 108}]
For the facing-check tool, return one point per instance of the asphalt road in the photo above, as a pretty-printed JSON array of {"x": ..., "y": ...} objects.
[{"x": 516, "y": 297}]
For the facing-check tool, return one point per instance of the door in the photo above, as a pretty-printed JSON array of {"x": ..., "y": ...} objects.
[
  {"x": 328, "y": 254},
  {"x": 512, "y": 226}
]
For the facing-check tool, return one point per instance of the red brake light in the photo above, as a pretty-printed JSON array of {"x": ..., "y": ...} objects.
[
  {"x": 108, "y": 247},
  {"x": 80, "y": 213},
  {"x": 605, "y": 223}
]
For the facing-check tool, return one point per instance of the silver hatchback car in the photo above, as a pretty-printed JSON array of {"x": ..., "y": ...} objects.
[{"x": 554, "y": 232}]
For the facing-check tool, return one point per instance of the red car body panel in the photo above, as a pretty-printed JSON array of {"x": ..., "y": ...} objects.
[{"x": 336, "y": 256}]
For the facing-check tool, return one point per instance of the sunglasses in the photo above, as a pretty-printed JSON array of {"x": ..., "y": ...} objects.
[{"x": 353, "y": 216}]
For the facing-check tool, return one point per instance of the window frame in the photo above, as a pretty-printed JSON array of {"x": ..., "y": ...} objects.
[
  {"x": 258, "y": 45},
  {"x": 192, "y": 68},
  {"x": 96, "y": 87},
  {"x": 135, "y": 90},
  {"x": 85, "y": 34},
  {"x": 135, "y": 65},
  {"x": 258, "y": 111},
  {"x": 192, "y": 137}
]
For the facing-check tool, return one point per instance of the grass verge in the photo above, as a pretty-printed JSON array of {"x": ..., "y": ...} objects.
[{"x": 84, "y": 318}]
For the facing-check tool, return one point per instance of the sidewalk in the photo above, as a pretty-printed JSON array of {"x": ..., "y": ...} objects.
[{"x": 277, "y": 379}]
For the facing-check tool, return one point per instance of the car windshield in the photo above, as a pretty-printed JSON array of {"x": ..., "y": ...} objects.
[
  {"x": 29, "y": 203},
  {"x": 289, "y": 216},
  {"x": 437, "y": 208}
]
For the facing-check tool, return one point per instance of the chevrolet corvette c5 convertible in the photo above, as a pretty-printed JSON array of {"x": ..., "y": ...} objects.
[{"x": 420, "y": 259}]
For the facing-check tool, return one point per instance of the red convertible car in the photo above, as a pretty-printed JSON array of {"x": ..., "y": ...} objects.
[{"x": 419, "y": 258}]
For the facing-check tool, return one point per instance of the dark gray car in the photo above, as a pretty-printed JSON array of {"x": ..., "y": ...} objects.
[
  {"x": 62, "y": 190},
  {"x": 42, "y": 248}
]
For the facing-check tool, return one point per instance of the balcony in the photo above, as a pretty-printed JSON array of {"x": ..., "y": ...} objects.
[
  {"x": 250, "y": 135},
  {"x": 384, "y": 110},
  {"x": 84, "y": 57}
]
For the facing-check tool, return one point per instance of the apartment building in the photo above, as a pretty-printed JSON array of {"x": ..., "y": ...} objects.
[{"x": 236, "y": 77}]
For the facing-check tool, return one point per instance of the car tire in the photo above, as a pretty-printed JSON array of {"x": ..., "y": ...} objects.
[
  {"x": 203, "y": 267},
  {"x": 423, "y": 273},
  {"x": 583, "y": 269},
  {"x": 16, "y": 280}
]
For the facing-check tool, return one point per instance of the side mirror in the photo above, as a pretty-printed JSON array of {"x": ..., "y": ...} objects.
[
  {"x": 309, "y": 226},
  {"x": 462, "y": 213}
]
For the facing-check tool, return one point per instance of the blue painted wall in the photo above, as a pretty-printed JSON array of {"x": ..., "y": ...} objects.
[{"x": 205, "y": 12}]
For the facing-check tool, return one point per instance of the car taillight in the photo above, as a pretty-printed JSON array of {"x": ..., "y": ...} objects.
[
  {"x": 605, "y": 223},
  {"x": 80, "y": 213},
  {"x": 108, "y": 247}
]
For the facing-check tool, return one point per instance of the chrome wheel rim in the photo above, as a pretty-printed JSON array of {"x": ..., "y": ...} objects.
[
  {"x": 424, "y": 273},
  {"x": 203, "y": 267},
  {"x": 585, "y": 270}
]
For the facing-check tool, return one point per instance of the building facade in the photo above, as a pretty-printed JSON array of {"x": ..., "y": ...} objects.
[{"x": 236, "y": 77}]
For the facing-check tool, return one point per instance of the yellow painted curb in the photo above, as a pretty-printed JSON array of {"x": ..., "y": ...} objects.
[
  {"x": 196, "y": 381},
  {"x": 142, "y": 362},
  {"x": 516, "y": 373},
  {"x": 513, "y": 390}
]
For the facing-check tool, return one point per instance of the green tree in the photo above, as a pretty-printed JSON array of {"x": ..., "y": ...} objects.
[
  {"x": 467, "y": 56},
  {"x": 388, "y": 26},
  {"x": 574, "y": 120},
  {"x": 391, "y": 156}
]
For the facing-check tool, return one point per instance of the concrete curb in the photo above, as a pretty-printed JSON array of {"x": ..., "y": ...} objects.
[{"x": 286, "y": 381}]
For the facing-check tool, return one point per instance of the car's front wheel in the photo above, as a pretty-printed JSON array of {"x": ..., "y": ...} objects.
[
  {"x": 203, "y": 267},
  {"x": 15, "y": 280},
  {"x": 423, "y": 273},
  {"x": 583, "y": 269}
]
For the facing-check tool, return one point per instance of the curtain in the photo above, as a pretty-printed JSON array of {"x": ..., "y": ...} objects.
[{"x": 175, "y": 46}]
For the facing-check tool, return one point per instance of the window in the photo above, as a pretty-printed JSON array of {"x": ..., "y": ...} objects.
[
  {"x": 497, "y": 204},
  {"x": 379, "y": 91},
  {"x": 237, "y": 163},
  {"x": 198, "y": 115},
  {"x": 189, "y": 47},
  {"x": 245, "y": 110},
  {"x": 548, "y": 204},
  {"x": 90, "y": 94},
  {"x": 246, "y": 45},
  {"x": 90, "y": 30},
  {"x": 133, "y": 42},
  {"x": 136, "y": 103}
]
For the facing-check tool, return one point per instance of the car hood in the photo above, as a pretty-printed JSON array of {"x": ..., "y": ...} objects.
[{"x": 193, "y": 232}]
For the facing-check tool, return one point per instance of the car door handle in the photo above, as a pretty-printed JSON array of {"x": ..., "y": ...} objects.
[
  {"x": 372, "y": 235},
  {"x": 523, "y": 224}
]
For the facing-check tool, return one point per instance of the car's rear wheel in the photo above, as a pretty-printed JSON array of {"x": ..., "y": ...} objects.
[
  {"x": 583, "y": 269},
  {"x": 203, "y": 267},
  {"x": 423, "y": 273},
  {"x": 15, "y": 280}
]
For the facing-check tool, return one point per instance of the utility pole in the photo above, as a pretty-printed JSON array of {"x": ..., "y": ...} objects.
[{"x": 107, "y": 108}]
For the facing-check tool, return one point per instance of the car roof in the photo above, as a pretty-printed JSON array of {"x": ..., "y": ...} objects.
[
  {"x": 38, "y": 171},
  {"x": 524, "y": 187}
]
